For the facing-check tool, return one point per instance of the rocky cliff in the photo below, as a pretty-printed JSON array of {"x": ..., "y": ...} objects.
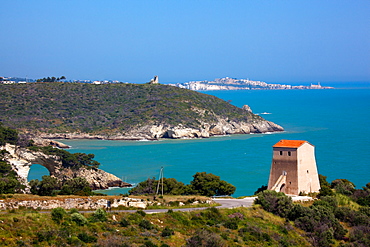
[
  {"x": 21, "y": 159},
  {"x": 155, "y": 132}
]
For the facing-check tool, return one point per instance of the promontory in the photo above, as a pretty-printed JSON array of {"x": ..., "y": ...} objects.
[{"x": 122, "y": 112}]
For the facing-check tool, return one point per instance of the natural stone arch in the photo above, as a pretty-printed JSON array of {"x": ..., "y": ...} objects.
[{"x": 22, "y": 159}]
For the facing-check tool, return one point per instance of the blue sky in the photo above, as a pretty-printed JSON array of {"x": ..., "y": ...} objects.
[{"x": 273, "y": 41}]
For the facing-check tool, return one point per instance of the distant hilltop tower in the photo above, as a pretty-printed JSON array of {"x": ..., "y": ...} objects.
[
  {"x": 293, "y": 168},
  {"x": 154, "y": 80}
]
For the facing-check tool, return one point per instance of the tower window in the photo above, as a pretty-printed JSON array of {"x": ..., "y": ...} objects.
[
  {"x": 307, "y": 171},
  {"x": 281, "y": 152},
  {"x": 289, "y": 153}
]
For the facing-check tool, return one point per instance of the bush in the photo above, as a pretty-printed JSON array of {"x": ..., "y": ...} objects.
[
  {"x": 231, "y": 224},
  {"x": 79, "y": 219},
  {"x": 343, "y": 186},
  {"x": 124, "y": 222},
  {"x": 76, "y": 186},
  {"x": 99, "y": 215},
  {"x": 84, "y": 237},
  {"x": 325, "y": 191},
  {"x": 275, "y": 202},
  {"x": 327, "y": 201},
  {"x": 205, "y": 238},
  {"x": 141, "y": 212},
  {"x": 167, "y": 232},
  {"x": 260, "y": 189},
  {"x": 145, "y": 224},
  {"x": 57, "y": 214}
]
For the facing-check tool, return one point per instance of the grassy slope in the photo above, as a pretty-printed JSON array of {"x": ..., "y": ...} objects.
[
  {"x": 257, "y": 228},
  {"x": 60, "y": 107}
]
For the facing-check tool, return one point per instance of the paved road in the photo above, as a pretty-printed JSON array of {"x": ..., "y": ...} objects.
[
  {"x": 234, "y": 203},
  {"x": 225, "y": 203}
]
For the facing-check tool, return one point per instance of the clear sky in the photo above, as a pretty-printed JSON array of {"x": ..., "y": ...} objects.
[{"x": 131, "y": 41}]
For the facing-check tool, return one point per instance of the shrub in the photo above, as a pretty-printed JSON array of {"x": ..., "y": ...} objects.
[
  {"x": 149, "y": 244},
  {"x": 212, "y": 216},
  {"x": 145, "y": 224},
  {"x": 275, "y": 202},
  {"x": 79, "y": 219},
  {"x": 141, "y": 212},
  {"x": 327, "y": 201},
  {"x": 260, "y": 189},
  {"x": 167, "y": 232},
  {"x": 84, "y": 237},
  {"x": 231, "y": 224},
  {"x": 99, "y": 215},
  {"x": 205, "y": 238},
  {"x": 360, "y": 235},
  {"x": 325, "y": 191},
  {"x": 124, "y": 222},
  {"x": 76, "y": 186},
  {"x": 343, "y": 186},
  {"x": 57, "y": 214}
]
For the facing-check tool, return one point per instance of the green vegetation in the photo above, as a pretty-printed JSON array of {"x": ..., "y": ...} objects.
[
  {"x": 339, "y": 216},
  {"x": 69, "y": 160},
  {"x": 210, "y": 227},
  {"x": 50, "y": 186},
  {"x": 205, "y": 184},
  {"x": 109, "y": 108},
  {"x": 7, "y": 135},
  {"x": 51, "y": 79}
]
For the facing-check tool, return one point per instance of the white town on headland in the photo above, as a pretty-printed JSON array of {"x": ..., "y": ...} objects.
[{"x": 225, "y": 83}]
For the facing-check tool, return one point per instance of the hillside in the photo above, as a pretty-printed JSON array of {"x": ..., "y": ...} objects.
[{"x": 122, "y": 111}]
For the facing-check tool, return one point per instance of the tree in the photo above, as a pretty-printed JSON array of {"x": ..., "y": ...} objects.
[
  {"x": 48, "y": 186},
  {"x": 76, "y": 186},
  {"x": 210, "y": 185},
  {"x": 7, "y": 135}
]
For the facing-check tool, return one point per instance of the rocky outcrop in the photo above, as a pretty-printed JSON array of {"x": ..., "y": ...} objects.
[
  {"x": 21, "y": 159},
  {"x": 158, "y": 131},
  {"x": 98, "y": 179}
]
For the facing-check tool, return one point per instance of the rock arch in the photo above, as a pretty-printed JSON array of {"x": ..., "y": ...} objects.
[{"x": 22, "y": 159}]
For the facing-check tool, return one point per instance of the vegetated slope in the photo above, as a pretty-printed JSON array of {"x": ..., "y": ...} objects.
[
  {"x": 110, "y": 108},
  {"x": 210, "y": 227}
]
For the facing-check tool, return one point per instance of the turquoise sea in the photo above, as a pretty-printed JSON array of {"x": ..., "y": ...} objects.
[{"x": 336, "y": 122}]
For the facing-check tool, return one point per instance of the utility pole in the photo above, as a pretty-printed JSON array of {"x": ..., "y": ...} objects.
[{"x": 159, "y": 181}]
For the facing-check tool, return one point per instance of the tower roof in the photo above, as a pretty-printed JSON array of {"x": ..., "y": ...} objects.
[{"x": 289, "y": 144}]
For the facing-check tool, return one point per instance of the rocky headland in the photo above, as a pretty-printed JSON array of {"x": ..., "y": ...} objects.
[
  {"x": 21, "y": 159},
  {"x": 122, "y": 112},
  {"x": 228, "y": 83}
]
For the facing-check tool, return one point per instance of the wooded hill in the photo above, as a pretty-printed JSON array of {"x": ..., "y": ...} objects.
[{"x": 101, "y": 109}]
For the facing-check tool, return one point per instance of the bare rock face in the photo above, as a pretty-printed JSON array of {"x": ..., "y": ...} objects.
[
  {"x": 98, "y": 179},
  {"x": 155, "y": 132},
  {"x": 22, "y": 159},
  {"x": 247, "y": 108}
]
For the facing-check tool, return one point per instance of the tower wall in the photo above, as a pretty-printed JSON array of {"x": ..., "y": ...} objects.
[
  {"x": 284, "y": 162},
  {"x": 307, "y": 170}
]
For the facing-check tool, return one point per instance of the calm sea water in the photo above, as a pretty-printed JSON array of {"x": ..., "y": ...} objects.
[{"x": 335, "y": 121}]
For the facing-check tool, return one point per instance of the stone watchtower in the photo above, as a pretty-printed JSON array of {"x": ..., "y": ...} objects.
[{"x": 293, "y": 168}]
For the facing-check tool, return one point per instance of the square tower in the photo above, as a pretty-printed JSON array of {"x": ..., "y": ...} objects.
[{"x": 293, "y": 168}]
